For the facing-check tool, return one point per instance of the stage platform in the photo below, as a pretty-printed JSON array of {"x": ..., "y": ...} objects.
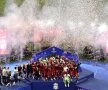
[
  {"x": 94, "y": 84},
  {"x": 85, "y": 75},
  {"x": 18, "y": 86},
  {"x": 30, "y": 84}
]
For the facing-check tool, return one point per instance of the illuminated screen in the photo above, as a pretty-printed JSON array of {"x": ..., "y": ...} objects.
[{"x": 3, "y": 42}]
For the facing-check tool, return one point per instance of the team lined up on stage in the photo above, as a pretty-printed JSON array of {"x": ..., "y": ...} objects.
[{"x": 51, "y": 68}]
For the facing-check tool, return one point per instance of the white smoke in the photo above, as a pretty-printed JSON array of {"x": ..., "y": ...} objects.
[{"x": 64, "y": 23}]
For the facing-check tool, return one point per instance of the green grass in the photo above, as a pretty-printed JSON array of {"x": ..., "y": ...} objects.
[
  {"x": 41, "y": 3},
  {"x": 3, "y": 4},
  {"x": 19, "y": 2},
  {"x": 2, "y": 7}
]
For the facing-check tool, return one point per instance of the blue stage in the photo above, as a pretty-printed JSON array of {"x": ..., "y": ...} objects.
[
  {"x": 88, "y": 83},
  {"x": 18, "y": 86},
  {"x": 84, "y": 82},
  {"x": 41, "y": 85},
  {"x": 30, "y": 84},
  {"x": 87, "y": 79}
]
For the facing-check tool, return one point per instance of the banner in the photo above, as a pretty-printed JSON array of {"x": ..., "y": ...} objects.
[{"x": 54, "y": 50}]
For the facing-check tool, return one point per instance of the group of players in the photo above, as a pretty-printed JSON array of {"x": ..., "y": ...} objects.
[{"x": 51, "y": 68}]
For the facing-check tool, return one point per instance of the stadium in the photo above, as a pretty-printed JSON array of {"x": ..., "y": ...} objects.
[{"x": 53, "y": 44}]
